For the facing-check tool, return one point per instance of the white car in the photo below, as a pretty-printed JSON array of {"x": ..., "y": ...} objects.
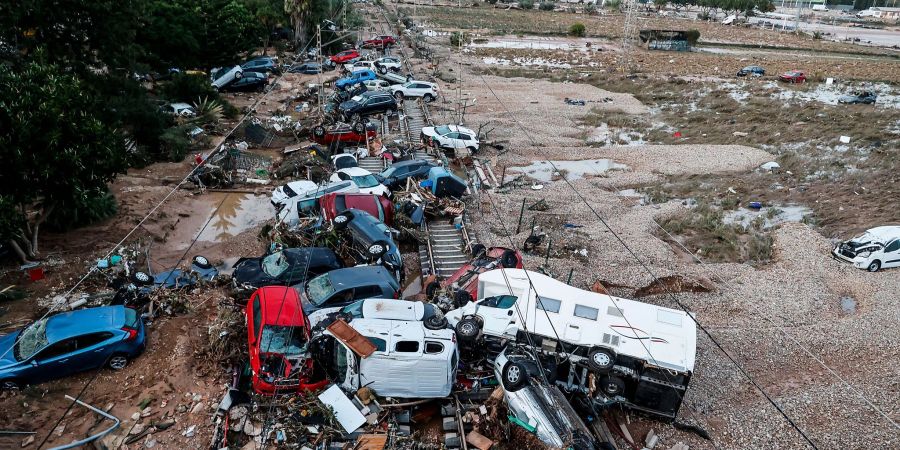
[
  {"x": 180, "y": 109},
  {"x": 394, "y": 77},
  {"x": 360, "y": 65},
  {"x": 282, "y": 194},
  {"x": 450, "y": 137},
  {"x": 306, "y": 203},
  {"x": 386, "y": 64},
  {"x": 223, "y": 77},
  {"x": 877, "y": 248},
  {"x": 414, "y": 88},
  {"x": 363, "y": 179},
  {"x": 377, "y": 85},
  {"x": 385, "y": 309}
]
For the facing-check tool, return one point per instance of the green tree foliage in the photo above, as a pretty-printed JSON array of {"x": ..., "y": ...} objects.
[
  {"x": 526, "y": 4},
  {"x": 577, "y": 29},
  {"x": 56, "y": 151},
  {"x": 547, "y": 6}
]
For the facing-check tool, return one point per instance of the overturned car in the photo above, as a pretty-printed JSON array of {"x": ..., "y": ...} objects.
[{"x": 877, "y": 248}]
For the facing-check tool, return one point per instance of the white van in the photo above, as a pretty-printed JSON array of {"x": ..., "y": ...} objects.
[
  {"x": 408, "y": 360},
  {"x": 591, "y": 330},
  {"x": 382, "y": 308}
]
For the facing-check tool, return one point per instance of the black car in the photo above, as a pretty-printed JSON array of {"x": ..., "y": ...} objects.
[
  {"x": 344, "y": 286},
  {"x": 307, "y": 68},
  {"x": 394, "y": 177},
  {"x": 250, "y": 81},
  {"x": 366, "y": 104},
  {"x": 755, "y": 71},
  {"x": 262, "y": 64},
  {"x": 370, "y": 240},
  {"x": 282, "y": 268},
  {"x": 864, "y": 97}
]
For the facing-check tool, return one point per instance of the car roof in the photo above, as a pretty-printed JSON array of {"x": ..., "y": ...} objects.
[
  {"x": 360, "y": 276},
  {"x": 75, "y": 323},
  {"x": 457, "y": 128},
  {"x": 355, "y": 171},
  {"x": 376, "y": 94},
  {"x": 280, "y": 305},
  {"x": 885, "y": 233},
  {"x": 407, "y": 330},
  {"x": 319, "y": 255},
  {"x": 392, "y": 309},
  {"x": 411, "y": 162}
]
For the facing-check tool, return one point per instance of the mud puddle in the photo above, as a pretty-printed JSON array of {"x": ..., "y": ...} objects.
[
  {"x": 237, "y": 213},
  {"x": 573, "y": 170},
  {"x": 770, "y": 216}
]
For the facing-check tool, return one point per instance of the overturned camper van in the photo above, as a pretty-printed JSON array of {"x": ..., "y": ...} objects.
[{"x": 614, "y": 349}]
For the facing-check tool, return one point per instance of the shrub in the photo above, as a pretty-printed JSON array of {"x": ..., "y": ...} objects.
[
  {"x": 187, "y": 88},
  {"x": 547, "y": 6},
  {"x": 88, "y": 208},
  {"x": 577, "y": 29},
  {"x": 590, "y": 8},
  {"x": 457, "y": 39},
  {"x": 693, "y": 36},
  {"x": 174, "y": 142},
  {"x": 526, "y": 4}
]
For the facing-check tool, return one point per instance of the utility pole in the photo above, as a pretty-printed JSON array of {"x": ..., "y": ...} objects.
[{"x": 321, "y": 59}]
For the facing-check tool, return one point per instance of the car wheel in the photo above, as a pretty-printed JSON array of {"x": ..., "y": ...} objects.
[
  {"x": 378, "y": 249},
  {"x": 432, "y": 289},
  {"x": 428, "y": 98},
  {"x": 10, "y": 385},
  {"x": 202, "y": 262},
  {"x": 359, "y": 128},
  {"x": 436, "y": 323},
  {"x": 467, "y": 329},
  {"x": 509, "y": 259},
  {"x": 874, "y": 266},
  {"x": 612, "y": 385},
  {"x": 239, "y": 75},
  {"x": 601, "y": 359},
  {"x": 399, "y": 96},
  {"x": 471, "y": 150},
  {"x": 118, "y": 362},
  {"x": 382, "y": 70},
  {"x": 318, "y": 131},
  {"x": 514, "y": 376},
  {"x": 342, "y": 219},
  {"x": 142, "y": 279},
  {"x": 462, "y": 298},
  {"x": 477, "y": 250}
]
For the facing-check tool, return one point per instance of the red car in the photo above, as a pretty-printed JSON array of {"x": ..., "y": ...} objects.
[
  {"x": 793, "y": 76},
  {"x": 379, "y": 206},
  {"x": 278, "y": 332},
  {"x": 344, "y": 56},
  {"x": 345, "y": 133},
  {"x": 380, "y": 42},
  {"x": 466, "y": 278}
]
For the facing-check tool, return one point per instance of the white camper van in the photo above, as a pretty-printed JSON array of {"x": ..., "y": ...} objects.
[
  {"x": 639, "y": 350},
  {"x": 405, "y": 358}
]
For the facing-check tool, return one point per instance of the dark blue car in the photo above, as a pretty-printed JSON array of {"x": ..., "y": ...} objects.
[
  {"x": 370, "y": 240},
  {"x": 66, "y": 343},
  {"x": 394, "y": 177}
]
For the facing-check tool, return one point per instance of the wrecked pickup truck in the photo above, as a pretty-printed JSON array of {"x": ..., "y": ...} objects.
[
  {"x": 395, "y": 358},
  {"x": 643, "y": 355}
]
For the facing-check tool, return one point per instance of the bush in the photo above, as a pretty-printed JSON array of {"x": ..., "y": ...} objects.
[
  {"x": 693, "y": 36},
  {"x": 526, "y": 4},
  {"x": 577, "y": 29},
  {"x": 89, "y": 208},
  {"x": 174, "y": 142},
  {"x": 547, "y": 6},
  {"x": 188, "y": 88},
  {"x": 613, "y": 4},
  {"x": 458, "y": 39}
]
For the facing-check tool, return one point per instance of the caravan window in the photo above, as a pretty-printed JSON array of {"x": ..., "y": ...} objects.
[
  {"x": 586, "y": 312},
  {"x": 434, "y": 347},
  {"x": 548, "y": 304},
  {"x": 407, "y": 346}
]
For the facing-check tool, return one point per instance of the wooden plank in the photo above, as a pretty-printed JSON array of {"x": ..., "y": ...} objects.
[
  {"x": 479, "y": 441},
  {"x": 371, "y": 442},
  {"x": 360, "y": 344}
]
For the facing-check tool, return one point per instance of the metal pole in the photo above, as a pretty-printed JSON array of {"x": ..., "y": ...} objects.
[
  {"x": 549, "y": 247},
  {"x": 96, "y": 436},
  {"x": 521, "y": 213},
  {"x": 569, "y": 281}
]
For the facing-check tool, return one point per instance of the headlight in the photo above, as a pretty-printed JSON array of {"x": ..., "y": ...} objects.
[{"x": 864, "y": 254}]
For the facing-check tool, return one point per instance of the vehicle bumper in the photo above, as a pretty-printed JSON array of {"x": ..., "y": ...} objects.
[{"x": 857, "y": 262}]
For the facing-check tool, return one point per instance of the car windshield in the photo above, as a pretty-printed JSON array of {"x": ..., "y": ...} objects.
[
  {"x": 442, "y": 130},
  {"x": 282, "y": 339},
  {"x": 319, "y": 289},
  {"x": 288, "y": 191},
  {"x": 274, "y": 264},
  {"x": 31, "y": 340},
  {"x": 365, "y": 181},
  {"x": 354, "y": 309}
]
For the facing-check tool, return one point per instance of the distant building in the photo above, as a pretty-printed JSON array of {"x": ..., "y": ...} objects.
[{"x": 881, "y": 12}]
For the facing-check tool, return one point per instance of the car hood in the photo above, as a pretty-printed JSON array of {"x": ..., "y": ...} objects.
[
  {"x": 249, "y": 271},
  {"x": 6, "y": 344}
]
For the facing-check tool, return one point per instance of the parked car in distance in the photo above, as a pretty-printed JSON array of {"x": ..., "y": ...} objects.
[
  {"x": 278, "y": 333},
  {"x": 344, "y": 56},
  {"x": 249, "y": 82},
  {"x": 450, "y": 137},
  {"x": 378, "y": 206},
  {"x": 344, "y": 133},
  {"x": 753, "y": 71},
  {"x": 395, "y": 176},
  {"x": 878, "y": 248},
  {"x": 221, "y": 77},
  {"x": 864, "y": 97},
  {"x": 462, "y": 287},
  {"x": 384, "y": 309},
  {"x": 428, "y": 91},
  {"x": 370, "y": 240},
  {"x": 357, "y": 77},
  {"x": 382, "y": 41},
  {"x": 377, "y": 85},
  {"x": 307, "y": 204},
  {"x": 386, "y": 64},
  {"x": 363, "y": 179},
  {"x": 63, "y": 344},
  {"x": 793, "y": 76},
  {"x": 367, "y": 104},
  {"x": 286, "y": 267},
  {"x": 309, "y": 68},
  {"x": 264, "y": 65},
  {"x": 342, "y": 287}
]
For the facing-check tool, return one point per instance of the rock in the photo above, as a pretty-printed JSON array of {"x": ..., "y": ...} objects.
[
  {"x": 164, "y": 424},
  {"x": 237, "y": 412},
  {"x": 28, "y": 441},
  {"x": 739, "y": 134},
  {"x": 150, "y": 442},
  {"x": 771, "y": 165},
  {"x": 60, "y": 430},
  {"x": 197, "y": 397},
  {"x": 198, "y": 408},
  {"x": 138, "y": 428},
  {"x": 189, "y": 432},
  {"x": 136, "y": 416},
  {"x": 180, "y": 408},
  {"x": 252, "y": 429},
  {"x": 145, "y": 412}
]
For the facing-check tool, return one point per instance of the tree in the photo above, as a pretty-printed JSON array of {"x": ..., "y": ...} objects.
[{"x": 55, "y": 150}]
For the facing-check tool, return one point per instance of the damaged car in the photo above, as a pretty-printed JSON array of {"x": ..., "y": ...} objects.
[
  {"x": 462, "y": 287},
  {"x": 450, "y": 137},
  {"x": 878, "y": 248},
  {"x": 284, "y": 267},
  {"x": 343, "y": 133},
  {"x": 386, "y": 309},
  {"x": 278, "y": 336},
  {"x": 378, "y": 206},
  {"x": 370, "y": 241},
  {"x": 342, "y": 287}
]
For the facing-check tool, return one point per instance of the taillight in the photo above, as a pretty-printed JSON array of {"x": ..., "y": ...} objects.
[
  {"x": 132, "y": 333},
  {"x": 396, "y": 295}
]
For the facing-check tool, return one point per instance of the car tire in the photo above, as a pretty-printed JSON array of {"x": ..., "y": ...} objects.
[
  {"x": 514, "y": 375},
  {"x": 409, "y": 78},
  {"x": 875, "y": 266},
  {"x": 358, "y": 128},
  {"x": 428, "y": 98},
  {"x": 238, "y": 75},
  {"x": 509, "y": 260},
  {"x": 477, "y": 250},
  {"x": 141, "y": 279},
  {"x": 601, "y": 359},
  {"x": 117, "y": 361},
  {"x": 378, "y": 249},
  {"x": 201, "y": 262},
  {"x": 432, "y": 289},
  {"x": 436, "y": 323},
  {"x": 612, "y": 385},
  {"x": 399, "y": 96},
  {"x": 342, "y": 220},
  {"x": 318, "y": 131},
  {"x": 10, "y": 385},
  {"x": 382, "y": 70},
  {"x": 467, "y": 329}
]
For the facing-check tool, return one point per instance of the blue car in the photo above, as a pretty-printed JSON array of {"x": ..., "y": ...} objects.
[
  {"x": 66, "y": 343},
  {"x": 355, "y": 78}
]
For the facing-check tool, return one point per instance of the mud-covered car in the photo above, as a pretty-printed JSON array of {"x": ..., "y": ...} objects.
[
  {"x": 370, "y": 240},
  {"x": 878, "y": 248},
  {"x": 285, "y": 267},
  {"x": 859, "y": 97}
]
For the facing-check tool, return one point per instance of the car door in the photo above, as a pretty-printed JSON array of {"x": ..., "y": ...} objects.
[
  {"x": 464, "y": 140},
  {"x": 92, "y": 350},
  {"x": 498, "y": 313},
  {"x": 53, "y": 361},
  {"x": 892, "y": 254}
]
